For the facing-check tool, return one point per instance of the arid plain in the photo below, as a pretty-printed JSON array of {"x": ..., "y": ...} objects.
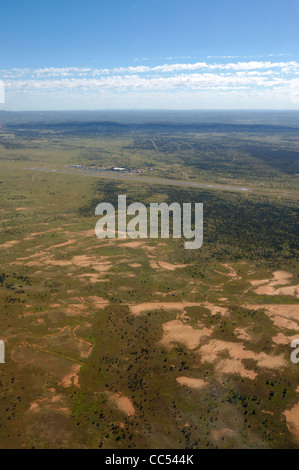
[{"x": 125, "y": 343}]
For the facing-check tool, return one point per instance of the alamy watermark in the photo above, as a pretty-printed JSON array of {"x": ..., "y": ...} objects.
[
  {"x": 295, "y": 353},
  {"x": 145, "y": 224},
  {"x": 2, "y": 352}
]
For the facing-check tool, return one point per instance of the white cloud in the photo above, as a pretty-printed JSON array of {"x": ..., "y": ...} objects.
[
  {"x": 247, "y": 79},
  {"x": 283, "y": 67}
]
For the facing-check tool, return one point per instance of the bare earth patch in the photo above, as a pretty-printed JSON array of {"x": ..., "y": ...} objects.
[
  {"x": 216, "y": 309},
  {"x": 284, "y": 323},
  {"x": 92, "y": 277},
  {"x": 241, "y": 333},
  {"x": 171, "y": 267},
  {"x": 154, "y": 265},
  {"x": 98, "y": 302},
  {"x": 190, "y": 382},
  {"x": 272, "y": 286},
  {"x": 72, "y": 378},
  {"x": 212, "y": 351},
  {"x": 9, "y": 244},
  {"x": 123, "y": 403},
  {"x": 282, "y": 315},
  {"x": 292, "y": 417},
  {"x": 232, "y": 272},
  {"x": 283, "y": 310},
  {"x": 70, "y": 242},
  {"x": 138, "y": 309},
  {"x": 281, "y": 338},
  {"x": 34, "y": 408},
  {"x": 178, "y": 332},
  {"x": 74, "y": 310}
]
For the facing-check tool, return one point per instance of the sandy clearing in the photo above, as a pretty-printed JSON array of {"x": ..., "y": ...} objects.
[
  {"x": 98, "y": 302},
  {"x": 232, "y": 272},
  {"x": 257, "y": 283},
  {"x": 39, "y": 254},
  {"x": 281, "y": 338},
  {"x": 134, "y": 244},
  {"x": 241, "y": 333},
  {"x": 74, "y": 310},
  {"x": 216, "y": 309},
  {"x": 138, "y": 309},
  {"x": 53, "y": 402},
  {"x": 93, "y": 262},
  {"x": 212, "y": 351},
  {"x": 234, "y": 366},
  {"x": 34, "y": 408},
  {"x": 191, "y": 382},
  {"x": 80, "y": 260},
  {"x": 271, "y": 362},
  {"x": 10, "y": 244},
  {"x": 284, "y": 323},
  {"x": 93, "y": 278},
  {"x": 292, "y": 418},
  {"x": 272, "y": 286},
  {"x": 123, "y": 403},
  {"x": 177, "y": 332},
  {"x": 70, "y": 242},
  {"x": 30, "y": 263},
  {"x": 54, "y": 262},
  {"x": 72, "y": 378},
  {"x": 154, "y": 265},
  {"x": 171, "y": 267},
  {"x": 165, "y": 294},
  {"x": 283, "y": 310}
]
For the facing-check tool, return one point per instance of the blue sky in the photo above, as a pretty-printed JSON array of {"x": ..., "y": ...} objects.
[{"x": 191, "y": 54}]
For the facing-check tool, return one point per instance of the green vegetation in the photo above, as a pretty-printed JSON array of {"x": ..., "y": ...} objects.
[{"x": 75, "y": 346}]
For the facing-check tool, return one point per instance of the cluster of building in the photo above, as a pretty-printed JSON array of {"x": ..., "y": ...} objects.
[{"x": 99, "y": 168}]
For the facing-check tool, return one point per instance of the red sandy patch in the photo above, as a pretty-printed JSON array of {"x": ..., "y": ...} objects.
[
  {"x": 9, "y": 244},
  {"x": 273, "y": 286},
  {"x": 72, "y": 378},
  {"x": 178, "y": 332},
  {"x": 171, "y": 267},
  {"x": 212, "y": 352},
  {"x": 292, "y": 418},
  {"x": 123, "y": 403},
  {"x": 191, "y": 382}
]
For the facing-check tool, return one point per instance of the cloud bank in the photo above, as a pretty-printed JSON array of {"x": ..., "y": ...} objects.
[{"x": 230, "y": 82}]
